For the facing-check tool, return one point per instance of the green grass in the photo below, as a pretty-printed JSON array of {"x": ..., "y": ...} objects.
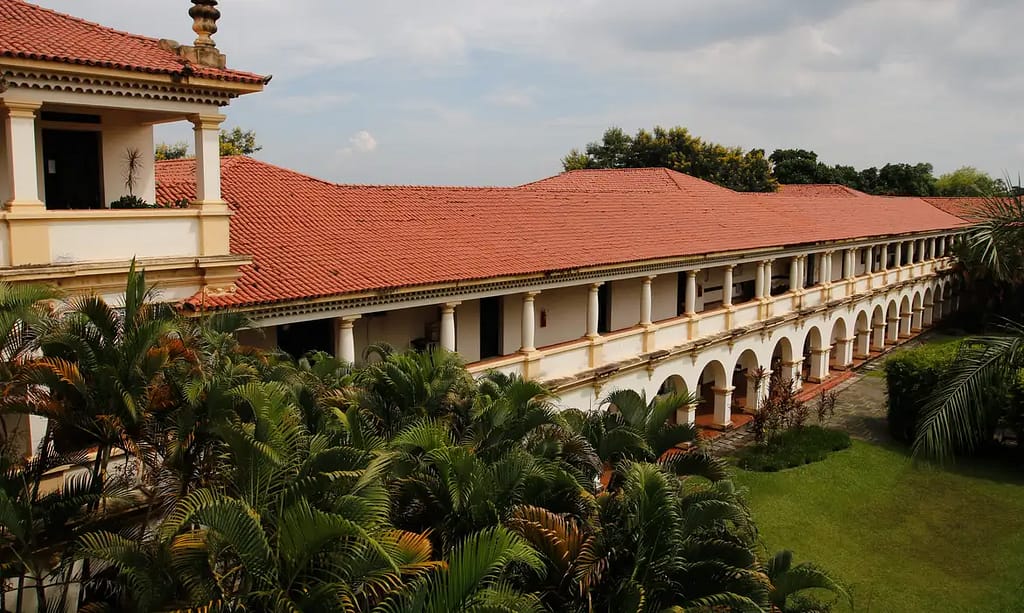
[
  {"x": 903, "y": 537},
  {"x": 794, "y": 448}
]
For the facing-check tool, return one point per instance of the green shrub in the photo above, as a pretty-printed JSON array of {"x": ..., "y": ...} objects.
[
  {"x": 793, "y": 448},
  {"x": 912, "y": 375}
]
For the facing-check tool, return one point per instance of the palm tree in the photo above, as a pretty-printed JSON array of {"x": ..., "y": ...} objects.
[{"x": 788, "y": 583}]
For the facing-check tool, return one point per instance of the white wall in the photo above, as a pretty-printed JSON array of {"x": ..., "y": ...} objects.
[
  {"x": 664, "y": 291},
  {"x": 625, "y": 303},
  {"x": 94, "y": 238},
  {"x": 116, "y": 140},
  {"x": 566, "y": 317},
  {"x": 467, "y": 330},
  {"x": 397, "y": 328}
]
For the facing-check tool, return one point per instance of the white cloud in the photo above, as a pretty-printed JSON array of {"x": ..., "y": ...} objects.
[{"x": 360, "y": 142}]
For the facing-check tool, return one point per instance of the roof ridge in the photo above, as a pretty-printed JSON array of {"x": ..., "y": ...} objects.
[{"x": 83, "y": 21}]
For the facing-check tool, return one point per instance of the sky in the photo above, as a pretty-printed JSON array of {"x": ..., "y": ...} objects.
[{"x": 481, "y": 92}]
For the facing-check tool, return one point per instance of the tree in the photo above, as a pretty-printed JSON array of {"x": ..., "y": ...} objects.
[
  {"x": 906, "y": 180},
  {"x": 968, "y": 181},
  {"x": 238, "y": 142},
  {"x": 799, "y": 166},
  {"x": 173, "y": 151},
  {"x": 677, "y": 149}
]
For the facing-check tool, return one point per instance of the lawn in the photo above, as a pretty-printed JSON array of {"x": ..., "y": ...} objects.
[{"x": 905, "y": 538}]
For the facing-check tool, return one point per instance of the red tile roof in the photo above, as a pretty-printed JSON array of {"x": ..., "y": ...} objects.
[
  {"x": 626, "y": 180},
  {"x": 32, "y": 32},
  {"x": 820, "y": 190},
  {"x": 311, "y": 238},
  {"x": 964, "y": 207}
]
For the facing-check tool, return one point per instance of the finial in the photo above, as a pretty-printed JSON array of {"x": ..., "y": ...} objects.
[{"x": 204, "y": 15}]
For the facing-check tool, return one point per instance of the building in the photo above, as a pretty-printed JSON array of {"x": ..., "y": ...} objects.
[{"x": 588, "y": 280}]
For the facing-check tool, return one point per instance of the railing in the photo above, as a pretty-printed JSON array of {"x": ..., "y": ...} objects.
[{"x": 572, "y": 357}]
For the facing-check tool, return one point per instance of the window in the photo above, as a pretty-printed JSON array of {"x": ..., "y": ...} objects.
[{"x": 604, "y": 308}]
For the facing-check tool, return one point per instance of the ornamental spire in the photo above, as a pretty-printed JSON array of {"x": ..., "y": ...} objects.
[{"x": 204, "y": 15}]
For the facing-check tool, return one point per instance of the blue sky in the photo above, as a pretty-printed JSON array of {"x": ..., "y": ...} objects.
[{"x": 484, "y": 92}]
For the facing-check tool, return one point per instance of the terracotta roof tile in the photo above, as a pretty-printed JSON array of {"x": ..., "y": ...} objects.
[
  {"x": 625, "y": 180},
  {"x": 311, "y": 238},
  {"x": 818, "y": 190},
  {"x": 962, "y": 206},
  {"x": 32, "y": 32}
]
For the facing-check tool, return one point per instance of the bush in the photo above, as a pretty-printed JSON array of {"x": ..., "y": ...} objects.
[
  {"x": 793, "y": 448},
  {"x": 912, "y": 375}
]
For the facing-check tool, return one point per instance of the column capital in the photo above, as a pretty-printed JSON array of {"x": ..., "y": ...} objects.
[
  {"x": 449, "y": 307},
  {"x": 207, "y": 122},
  {"x": 594, "y": 286},
  {"x": 722, "y": 391},
  {"x": 25, "y": 109},
  {"x": 649, "y": 278},
  {"x": 693, "y": 273},
  {"x": 531, "y": 295},
  {"x": 348, "y": 321},
  {"x": 729, "y": 266}
]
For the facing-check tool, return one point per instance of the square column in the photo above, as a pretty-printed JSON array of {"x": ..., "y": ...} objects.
[
  {"x": 906, "y": 321},
  {"x": 757, "y": 390},
  {"x": 926, "y": 317},
  {"x": 687, "y": 414},
  {"x": 207, "y": 139},
  {"x": 22, "y": 155},
  {"x": 448, "y": 326},
  {"x": 723, "y": 406},
  {"x": 844, "y": 352},
  {"x": 345, "y": 344},
  {"x": 893, "y": 330},
  {"x": 793, "y": 371},
  {"x": 878, "y": 337},
  {"x": 819, "y": 365},
  {"x": 917, "y": 320},
  {"x": 863, "y": 341}
]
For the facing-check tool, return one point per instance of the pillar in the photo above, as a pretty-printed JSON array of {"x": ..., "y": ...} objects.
[
  {"x": 893, "y": 330},
  {"x": 691, "y": 292},
  {"x": 919, "y": 250},
  {"x": 687, "y": 414},
  {"x": 792, "y": 371},
  {"x": 723, "y": 406},
  {"x": 917, "y": 322},
  {"x": 207, "y": 136},
  {"x": 863, "y": 348},
  {"x": 844, "y": 352},
  {"x": 825, "y": 271},
  {"x": 910, "y": 252},
  {"x": 794, "y": 273},
  {"x": 927, "y": 316},
  {"x": 906, "y": 321},
  {"x": 22, "y": 155},
  {"x": 884, "y": 259},
  {"x": 759, "y": 282},
  {"x": 593, "y": 310},
  {"x": 899, "y": 254},
  {"x": 757, "y": 390},
  {"x": 819, "y": 364},
  {"x": 727, "y": 286},
  {"x": 878, "y": 334},
  {"x": 646, "y": 300},
  {"x": 448, "y": 326},
  {"x": 851, "y": 263},
  {"x": 529, "y": 321},
  {"x": 345, "y": 345}
]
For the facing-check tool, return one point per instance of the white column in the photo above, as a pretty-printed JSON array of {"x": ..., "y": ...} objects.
[
  {"x": 893, "y": 330},
  {"x": 927, "y": 317},
  {"x": 691, "y": 292},
  {"x": 759, "y": 281},
  {"x": 593, "y": 310},
  {"x": 826, "y": 268},
  {"x": 884, "y": 263},
  {"x": 727, "y": 286},
  {"x": 919, "y": 249},
  {"x": 723, "y": 406},
  {"x": 448, "y": 326},
  {"x": 819, "y": 364},
  {"x": 646, "y": 300},
  {"x": 917, "y": 319},
  {"x": 863, "y": 343},
  {"x": 899, "y": 254},
  {"x": 906, "y": 320},
  {"x": 878, "y": 332},
  {"x": 791, "y": 371},
  {"x": 794, "y": 273},
  {"x": 757, "y": 390},
  {"x": 22, "y": 156},
  {"x": 844, "y": 352},
  {"x": 910, "y": 252},
  {"x": 345, "y": 348},
  {"x": 851, "y": 263},
  {"x": 687, "y": 414},
  {"x": 207, "y": 135},
  {"x": 528, "y": 329}
]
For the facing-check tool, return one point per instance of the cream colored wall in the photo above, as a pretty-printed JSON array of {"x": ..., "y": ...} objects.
[
  {"x": 117, "y": 139},
  {"x": 99, "y": 239},
  {"x": 837, "y": 265},
  {"x": 664, "y": 291},
  {"x": 467, "y": 330},
  {"x": 625, "y": 303},
  {"x": 5, "y": 180},
  {"x": 397, "y": 328},
  {"x": 262, "y": 338},
  {"x": 566, "y": 310}
]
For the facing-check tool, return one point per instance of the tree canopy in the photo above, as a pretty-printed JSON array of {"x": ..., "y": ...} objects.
[
  {"x": 232, "y": 142},
  {"x": 751, "y": 171}
]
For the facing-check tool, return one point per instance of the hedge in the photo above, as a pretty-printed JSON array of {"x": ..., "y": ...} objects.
[
  {"x": 912, "y": 375},
  {"x": 793, "y": 448}
]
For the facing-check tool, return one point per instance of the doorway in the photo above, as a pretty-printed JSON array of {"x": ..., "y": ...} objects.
[
  {"x": 71, "y": 167},
  {"x": 490, "y": 327}
]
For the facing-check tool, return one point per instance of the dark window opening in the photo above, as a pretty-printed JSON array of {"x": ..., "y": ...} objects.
[
  {"x": 71, "y": 167},
  {"x": 812, "y": 266},
  {"x": 490, "y": 327},
  {"x": 747, "y": 291},
  {"x": 604, "y": 308},
  {"x": 300, "y": 338},
  {"x": 681, "y": 293}
]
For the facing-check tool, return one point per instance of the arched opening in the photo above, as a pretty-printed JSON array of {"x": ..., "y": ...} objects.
[
  {"x": 841, "y": 355},
  {"x": 783, "y": 363},
  {"x": 674, "y": 384},
  {"x": 715, "y": 395},
  {"x": 927, "y": 317},
  {"x": 816, "y": 356},
  {"x": 906, "y": 316},
  {"x": 748, "y": 382},
  {"x": 917, "y": 313},
  {"x": 939, "y": 308},
  {"x": 878, "y": 329},
  {"x": 892, "y": 323}
]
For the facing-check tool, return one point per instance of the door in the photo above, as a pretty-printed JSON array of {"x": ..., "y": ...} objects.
[
  {"x": 71, "y": 167},
  {"x": 490, "y": 327}
]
